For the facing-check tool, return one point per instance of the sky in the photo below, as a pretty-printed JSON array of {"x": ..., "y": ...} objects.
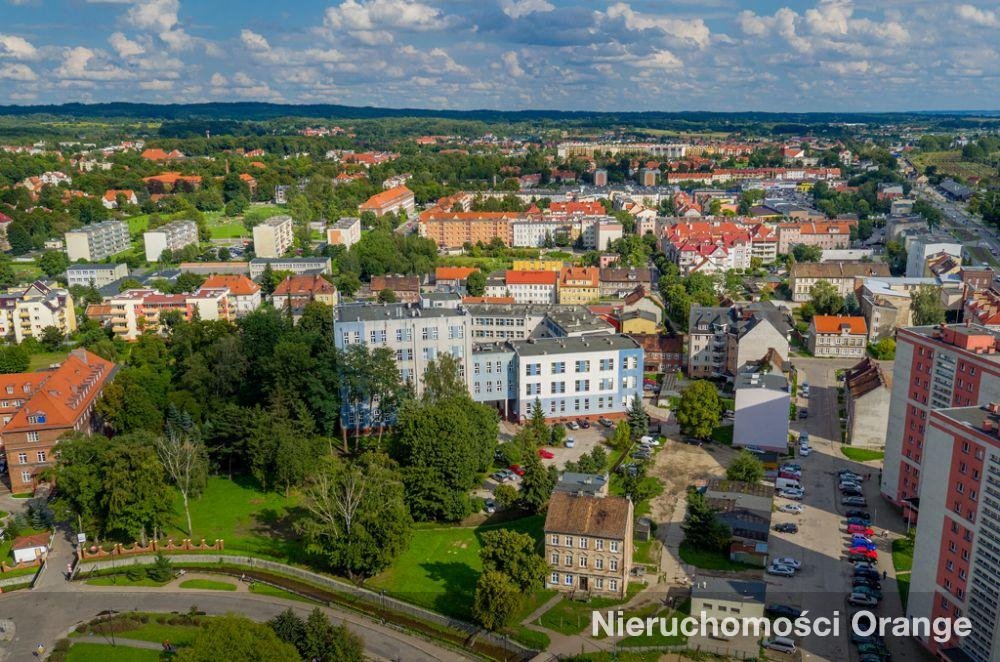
[{"x": 719, "y": 55}]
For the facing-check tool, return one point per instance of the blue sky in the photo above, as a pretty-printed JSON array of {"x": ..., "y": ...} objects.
[{"x": 724, "y": 55}]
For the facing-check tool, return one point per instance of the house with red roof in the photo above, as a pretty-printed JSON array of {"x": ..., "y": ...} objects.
[
  {"x": 300, "y": 289},
  {"x": 452, "y": 276},
  {"x": 710, "y": 247},
  {"x": 244, "y": 294},
  {"x": 838, "y": 336},
  {"x": 39, "y": 407},
  {"x": 395, "y": 200},
  {"x": 157, "y": 154},
  {"x": 110, "y": 197},
  {"x": 530, "y": 286}
]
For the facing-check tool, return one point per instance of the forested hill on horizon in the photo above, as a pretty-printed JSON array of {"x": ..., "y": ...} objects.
[{"x": 266, "y": 111}]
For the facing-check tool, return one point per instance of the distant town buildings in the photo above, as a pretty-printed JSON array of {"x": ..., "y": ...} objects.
[
  {"x": 97, "y": 241},
  {"x": 95, "y": 274},
  {"x": 345, "y": 232},
  {"x": 173, "y": 236}
]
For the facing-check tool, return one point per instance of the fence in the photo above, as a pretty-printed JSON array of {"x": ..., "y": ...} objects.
[
  {"x": 379, "y": 600},
  {"x": 152, "y": 547}
]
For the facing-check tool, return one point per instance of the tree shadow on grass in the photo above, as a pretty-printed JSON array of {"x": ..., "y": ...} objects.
[
  {"x": 276, "y": 533},
  {"x": 459, "y": 582}
]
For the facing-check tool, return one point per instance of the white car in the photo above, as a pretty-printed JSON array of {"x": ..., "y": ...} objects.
[
  {"x": 862, "y": 600},
  {"x": 789, "y": 561},
  {"x": 649, "y": 441},
  {"x": 781, "y": 570},
  {"x": 794, "y": 508},
  {"x": 805, "y": 451},
  {"x": 792, "y": 493},
  {"x": 570, "y": 442}
]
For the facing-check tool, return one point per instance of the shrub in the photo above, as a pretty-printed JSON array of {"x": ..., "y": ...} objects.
[
  {"x": 136, "y": 573},
  {"x": 161, "y": 570}
]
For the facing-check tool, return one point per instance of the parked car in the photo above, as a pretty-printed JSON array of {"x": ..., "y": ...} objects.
[
  {"x": 803, "y": 413},
  {"x": 490, "y": 506},
  {"x": 805, "y": 451},
  {"x": 517, "y": 469},
  {"x": 861, "y": 550},
  {"x": 791, "y": 493},
  {"x": 789, "y": 561},
  {"x": 859, "y": 539},
  {"x": 545, "y": 454},
  {"x": 868, "y": 582},
  {"x": 781, "y": 570},
  {"x": 862, "y": 514},
  {"x": 860, "y": 528},
  {"x": 793, "y": 508},
  {"x": 782, "y": 611},
  {"x": 583, "y": 423},
  {"x": 858, "y": 520},
  {"x": 573, "y": 425},
  {"x": 865, "y": 566},
  {"x": 866, "y": 573},
  {"x": 649, "y": 440},
  {"x": 641, "y": 455},
  {"x": 875, "y": 593},
  {"x": 804, "y": 438},
  {"x": 791, "y": 465},
  {"x": 862, "y": 600},
  {"x": 874, "y": 648},
  {"x": 786, "y": 527},
  {"x": 857, "y": 638},
  {"x": 606, "y": 422},
  {"x": 853, "y": 501},
  {"x": 847, "y": 473},
  {"x": 570, "y": 442},
  {"x": 780, "y": 644}
]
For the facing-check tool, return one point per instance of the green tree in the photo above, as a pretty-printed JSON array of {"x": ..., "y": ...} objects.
[
  {"x": 236, "y": 638},
  {"x": 537, "y": 483},
  {"x": 290, "y": 628},
  {"x": 387, "y": 296},
  {"x": 443, "y": 379},
  {"x": 927, "y": 306},
  {"x": 505, "y": 495},
  {"x": 475, "y": 284},
  {"x": 825, "y": 298},
  {"x": 13, "y": 359},
  {"x": 513, "y": 554},
  {"x": 623, "y": 435},
  {"x": 702, "y": 529},
  {"x": 356, "y": 516},
  {"x": 268, "y": 281},
  {"x": 496, "y": 601},
  {"x": 638, "y": 419},
  {"x": 135, "y": 494},
  {"x": 806, "y": 253},
  {"x": 745, "y": 467},
  {"x": 52, "y": 338},
  {"x": 329, "y": 643},
  {"x": 183, "y": 456},
  {"x": 700, "y": 409},
  {"x": 53, "y": 263},
  {"x": 883, "y": 350}
]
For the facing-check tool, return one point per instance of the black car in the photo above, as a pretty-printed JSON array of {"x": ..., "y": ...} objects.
[
  {"x": 873, "y": 584},
  {"x": 860, "y": 514},
  {"x": 869, "y": 574},
  {"x": 851, "y": 491},
  {"x": 786, "y": 527},
  {"x": 782, "y": 611},
  {"x": 584, "y": 423}
]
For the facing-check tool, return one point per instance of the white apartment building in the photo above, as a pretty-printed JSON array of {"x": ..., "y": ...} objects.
[
  {"x": 533, "y": 233},
  {"x": 345, "y": 232},
  {"x": 173, "y": 236},
  {"x": 296, "y": 265},
  {"x": 532, "y": 286},
  {"x": 95, "y": 275},
  {"x": 97, "y": 241},
  {"x": 761, "y": 411},
  {"x": 135, "y": 312},
  {"x": 271, "y": 238},
  {"x": 26, "y": 314}
]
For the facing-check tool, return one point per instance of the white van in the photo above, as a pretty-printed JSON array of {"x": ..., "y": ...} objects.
[
  {"x": 784, "y": 483},
  {"x": 780, "y": 644}
]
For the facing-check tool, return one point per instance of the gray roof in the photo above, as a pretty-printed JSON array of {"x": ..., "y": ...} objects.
[
  {"x": 740, "y": 318},
  {"x": 370, "y": 312},
  {"x": 728, "y": 589},
  {"x": 95, "y": 266},
  {"x": 543, "y": 346},
  {"x": 577, "y": 482},
  {"x": 768, "y": 380}
]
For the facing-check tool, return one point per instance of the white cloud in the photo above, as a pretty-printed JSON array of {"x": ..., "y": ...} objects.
[
  {"x": 124, "y": 46},
  {"x": 218, "y": 80},
  {"x": 84, "y": 64},
  {"x": 254, "y": 41},
  {"x": 16, "y": 71},
  {"x": 16, "y": 47},
  {"x": 985, "y": 17},
  {"x": 372, "y": 21},
  {"x": 693, "y": 30},
  {"x": 520, "y": 8},
  {"x": 512, "y": 65},
  {"x": 156, "y": 85},
  {"x": 154, "y": 15},
  {"x": 660, "y": 60}
]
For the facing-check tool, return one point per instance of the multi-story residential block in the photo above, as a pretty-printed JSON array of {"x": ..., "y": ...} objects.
[
  {"x": 345, "y": 232},
  {"x": 923, "y": 247},
  {"x": 451, "y": 229},
  {"x": 599, "y": 232},
  {"x": 134, "y": 312},
  {"x": 273, "y": 237},
  {"x": 663, "y": 352},
  {"x": 838, "y": 336},
  {"x": 956, "y": 548},
  {"x": 297, "y": 265},
  {"x": 578, "y": 285},
  {"x": 648, "y": 176},
  {"x": 296, "y": 291},
  {"x": 867, "y": 389},
  {"x": 600, "y": 177},
  {"x": 828, "y": 235},
  {"x": 588, "y": 543},
  {"x": 846, "y": 277},
  {"x": 590, "y": 149},
  {"x": 722, "y": 341},
  {"x": 39, "y": 407},
  {"x": 173, "y": 236},
  {"x": 538, "y": 232},
  {"x": 621, "y": 282},
  {"x": 886, "y": 303},
  {"x": 397, "y": 200},
  {"x": 936, "y": 367},
  {"x": 513, "y": 321},
  {"x": 532, "y": 286},
  {"x": 95, "y": 275},
  {"x": 762, "y": 402},
  {"x": 97, "y": 241},
  {"x": 710, "y": 247},
  {"x": 27, "y": 313},
  {"x": 537, "y": 265},
  {"x": 244, "y": 294}
]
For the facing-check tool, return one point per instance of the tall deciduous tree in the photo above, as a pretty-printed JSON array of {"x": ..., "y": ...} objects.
[
  {"x": 825, "y": 298},
  {"x": 183, "y": 456},
  {"x": 236, "y": 638},
  {"x": 745, "y": 467},
  {"x": 475, "y": 284},
  {"x": 927, "y": 306},
  {"x": 496, "y": 601},
  {"x": 513, "y": 553},
  {"x": 702, "y": 529},
  {"x": 699, "y": 409}
]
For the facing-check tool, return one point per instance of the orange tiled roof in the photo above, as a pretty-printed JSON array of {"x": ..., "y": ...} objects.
[
  {"x": 238, "y": 285},
  {"x": 588, "y": 274},
  {"x": 303, "y": 284},
  {"x": 111, "y": 194},
  {"x": 488, "y": 300},
  {"x": 531, "y": 277},
  {"x": 390, "y": 196},
  {"x": 172, "y": 178},
  {"x": 837, "y": 323},
  {"x": 453, "y": 273},
  {"x": 154, "y": 154}
]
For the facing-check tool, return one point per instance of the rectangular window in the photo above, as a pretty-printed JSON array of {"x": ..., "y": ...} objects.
[
  {"x": 429, "y": 333},
  {"x": 25, "y": 476},
  {"x": 555, "y": 539},
  {"x": 583, "y": 561},
  {"x": 600, "y": 582},
  {"x": 554, "y": 559},
  {"x": 404, "y": 334},
  {"x": 613, "y": 565},
  {"x": 599, "y": 564},
  {"x": 32, "y": 436},
  {"x": 559, "y": 367},
  {"x": 41, "y": 456},
  {"x": 599, "y": 544},
  {"x": 456, "y": 332},
  {"x": 22, "y": 458},
  {"x": 614, "y": 545},
  {"x": 555, "y": 578},
  {"x": 568, "y": 541},
  {"x": 583, "y": 366},
  {"x": 569, "y": 580},
  {"x": 613, "y": 584}
]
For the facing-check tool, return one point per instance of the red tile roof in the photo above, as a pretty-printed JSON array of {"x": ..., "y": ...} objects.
[
  {"x": 391, "y": 196},
  {"x": 238, "y": 285},
  {"x": 453, "y": 273},
  {"x": 531, "y": 277},
  {"x": 838, "y": 323},
  {"x": 488, "y": 300},
  {"x": 34, "y": 540},
  {"x": 304, "y": 284}
]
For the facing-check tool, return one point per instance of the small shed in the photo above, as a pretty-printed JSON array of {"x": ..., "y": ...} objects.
[{"x": 28, "y": 549}]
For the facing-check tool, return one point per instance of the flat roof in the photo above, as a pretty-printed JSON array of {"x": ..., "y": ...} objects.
[
  {"x": 369, "y": 312},
  {"x": 706, "y": 586},
  {"x": 543, "y": 346},
  {"x": 768, "y": 380}
]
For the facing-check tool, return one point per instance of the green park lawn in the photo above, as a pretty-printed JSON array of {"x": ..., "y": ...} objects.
[
  {"x": 208, "y": 584},
  {"x": 225, "y": 228},
  {"x": 123, "y": 580},
  {"x": 572, "y": 616},
  {"x": 657, "y": 637},
  {"x": 707, "y": 560},
  {"x": 88, "y": 652},
  {"x": 440, "y": 568},
  {"x": 861, "y": 454},
  {"x": 44, "y": 359},
  {"x": 137, "y": 224},
  {"x": 248, "y": 519},
  {"x": 275, "y": 592}
]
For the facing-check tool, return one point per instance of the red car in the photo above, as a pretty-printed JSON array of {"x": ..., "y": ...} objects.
[
  {"x": 864, "y": 551},
  {"x": 517, "y": 468},
  {"x": 545, "y": 454},
  {"x": 863, "y": 530}
]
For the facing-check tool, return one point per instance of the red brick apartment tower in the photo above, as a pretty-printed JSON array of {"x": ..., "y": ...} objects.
[
  {"x": 936, "y": 367},
  {"x": 957, "y": 554}
]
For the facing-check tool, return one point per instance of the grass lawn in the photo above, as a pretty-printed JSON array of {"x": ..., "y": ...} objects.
[
  {"x": 657, "y": 637},
  {"x": 903, "y": 584},
  {"x": 700, "y": 558},
  {"x": 570, "y": 616},
  {"x": 248, "y": 519},
  {"x": 644, "y": 551},
  {"x": 138, "y": 224},
  {"x": 723, "y": 434},
  {"x": 861, "y": 454},
  {"x": 902, "y": 554},
  {"x": 43, "y": 360},
  {"x": 275, "y": 592},
  {"x": 528, "y": 637},
  {"x": 87, "y": 652},
  {"x": 208, "y": 584},
  {"x": 440, "y": 568},
  {"x": 122, "y": 580},
  {"x": 158, "y": 629},
  {"x": 226, "y": 228},
  {"x": 650, "y": 485}
]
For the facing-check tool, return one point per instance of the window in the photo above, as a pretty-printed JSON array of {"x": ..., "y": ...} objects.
[
  {"x": 568, "y": 559},
  {"x": 404, "y": 334},
  {"x": 600, "y": 583},
  {"x": 599, "y": 544},
  {"x": 568, "y": 541},
  {"x": 25, "y": 476},
  {"x": 41, "y": 456},
  {"x": 32, "y": 436},
  {"x": 613, "y": 565},
  {"x": 455, "y": 332},
  {"x": 555, "y": 539},
  {"x": 607, "y": 364},
  {"x": 569, "y": 580},
  {"x": 583, "y": 543},
  {"x": 555, "y": 578},
  {"x": 554, "y": 559},
  {"x": 614, "y": 545},
  {"x": 582, "y": 385},
  {"x": 583, "y": 366},
  {"x": 22, "y": 458},
  {"x": 558, "y": 387},
  {"x": 559, "y": 367},
  {"x": 429, "y": 353},
  {"x": 533, "y": 369},
  {"x": 599, "y": 564},
  {"x": 583, "y": 561},
  {"x": 377, "y": 336},
  {"x": 613, "y": 584}
]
